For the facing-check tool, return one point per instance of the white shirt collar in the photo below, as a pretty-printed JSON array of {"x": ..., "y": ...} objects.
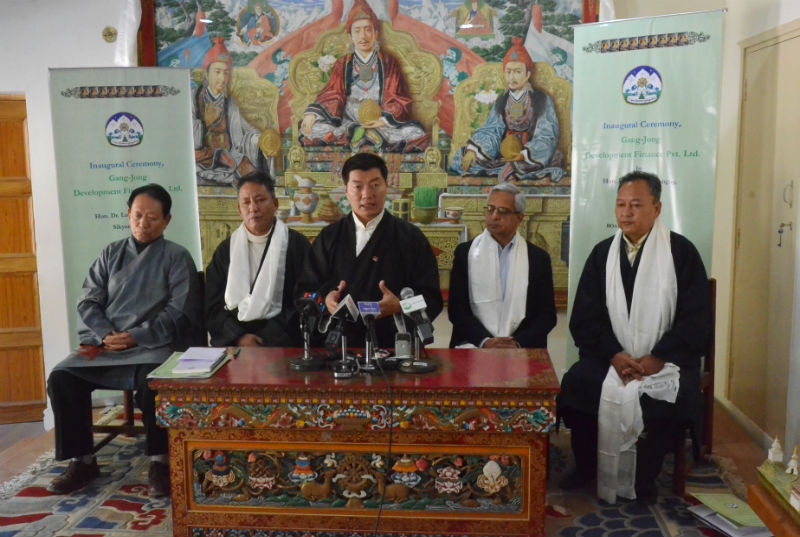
[
  {"x": 258, "y": 238},
  {"x": 371, "y": 225},
  {"x": 364, "y": 232},
  {"x": 632, "y": 249}
]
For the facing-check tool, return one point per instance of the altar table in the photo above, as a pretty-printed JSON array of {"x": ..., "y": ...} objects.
[{"x": 269, "y": 451}]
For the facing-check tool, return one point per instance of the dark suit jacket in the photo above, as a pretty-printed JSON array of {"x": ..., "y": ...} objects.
[{"x": 540, "y": 309}]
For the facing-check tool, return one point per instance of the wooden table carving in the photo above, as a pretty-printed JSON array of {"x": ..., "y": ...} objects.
[{"x": 269, "y": 451}]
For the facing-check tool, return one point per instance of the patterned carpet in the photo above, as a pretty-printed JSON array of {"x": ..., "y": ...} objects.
[
  {"x": 117, "y": 503},
  {"x": 581, "y": 514}
]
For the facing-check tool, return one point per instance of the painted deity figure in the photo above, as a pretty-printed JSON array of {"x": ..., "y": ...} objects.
[
  {"x": 258, "y": 24},
  {"x": 225, "y": 144},
  {"x": 474, "y": 19},
  {"x": 519, "y": 139},
  {"x": 366, "y": 103}
]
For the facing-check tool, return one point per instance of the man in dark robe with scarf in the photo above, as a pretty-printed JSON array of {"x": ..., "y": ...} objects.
[
  {"x": 251, "y": 277},
  {"x": 501, "y": 286},
  {"x": 641, "y": 321},
  {"x": 371, "y": 255},
  {"x": 140, "y": 302}
]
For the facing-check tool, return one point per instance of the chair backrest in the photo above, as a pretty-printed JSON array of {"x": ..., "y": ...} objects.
[{"x": 708, "y": 360}]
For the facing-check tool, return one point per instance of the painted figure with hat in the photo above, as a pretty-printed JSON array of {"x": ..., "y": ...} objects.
[
  {"x": 366, "y": 103},
  {"x": 520, "y": 137},
  {"x": 225, "y": 144}
]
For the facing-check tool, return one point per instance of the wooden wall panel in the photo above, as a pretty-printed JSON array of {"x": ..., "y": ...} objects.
[
  {"x": 13, "y": 163},
  {"x": 22, "y": 384},
  {"x": 22, "y": 376},
  {"x": 17, "y": 233},
  {"x": 19, "y": 308}
]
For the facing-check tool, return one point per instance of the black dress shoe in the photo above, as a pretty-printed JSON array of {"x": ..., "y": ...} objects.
[
  {"x": 77, "y": 475},
  {"x": 158, "y": 479},
  {"x": 575, "y": 479},
  {"x": 646, "y": 494}
]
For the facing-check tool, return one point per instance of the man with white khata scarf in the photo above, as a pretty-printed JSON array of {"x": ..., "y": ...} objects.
[
  {"x": 641, "y": 321},
  {"x": 501, "y": 286},
  {"x": 250, "y": 279}
]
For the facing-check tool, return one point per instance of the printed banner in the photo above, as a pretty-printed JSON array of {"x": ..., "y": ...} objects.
[
  {"x": 645, "y": 97},
  {"x": 116, "y": 129}
]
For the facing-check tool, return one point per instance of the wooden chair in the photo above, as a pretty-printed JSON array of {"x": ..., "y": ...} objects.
[
  {"x": 129, "y": 425},
  {"x": 707, "y": 388}
]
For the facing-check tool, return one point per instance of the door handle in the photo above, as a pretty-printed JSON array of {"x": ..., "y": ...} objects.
[{"x": 788, "y": 201}]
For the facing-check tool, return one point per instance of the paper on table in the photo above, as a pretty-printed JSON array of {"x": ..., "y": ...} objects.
[
  {"x": 167, "y": 370},
  {"x": 204, "y": 354},
  {"x": 199, "y": 361}
]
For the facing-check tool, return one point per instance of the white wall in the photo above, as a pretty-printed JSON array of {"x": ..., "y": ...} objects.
[
  {"x": 36, "y": 35},
  {"x": 744, "y": 19}
]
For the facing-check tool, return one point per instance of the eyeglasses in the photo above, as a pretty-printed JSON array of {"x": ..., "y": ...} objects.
[{"x": 501, "y": 211}]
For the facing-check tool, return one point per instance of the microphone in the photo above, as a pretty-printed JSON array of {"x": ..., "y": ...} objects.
[
  {"x": 414, "y": 307},
  {"x": 369, "y": 311},
  {"x": 310, "y": 307},
  {"x": 310, "y": 303},
  {"x": 346, "y": 311},
  {"x": 402, "y": 339}
]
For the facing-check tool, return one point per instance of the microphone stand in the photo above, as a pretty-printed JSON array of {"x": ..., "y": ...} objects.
[
  {"x": 307, "y": 362},
  {"x": 370, "y": 342},
  {"x": 417, "y": 365},
  {"x": 346, "y": 367}
]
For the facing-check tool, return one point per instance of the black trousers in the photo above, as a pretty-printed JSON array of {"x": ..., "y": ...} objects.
[
  {"x": 654, "y": 443},
  {"x": 71, "y": 401}
]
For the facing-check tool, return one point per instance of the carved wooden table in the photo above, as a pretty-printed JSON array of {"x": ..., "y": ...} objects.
[{"x": 269, "y": 451}]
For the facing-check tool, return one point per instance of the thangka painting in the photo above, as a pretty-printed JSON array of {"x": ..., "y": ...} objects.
[{"x": 479, "y": 90}]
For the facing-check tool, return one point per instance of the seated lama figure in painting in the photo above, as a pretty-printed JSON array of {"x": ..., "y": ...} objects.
[{"x": 366, "y": 103}]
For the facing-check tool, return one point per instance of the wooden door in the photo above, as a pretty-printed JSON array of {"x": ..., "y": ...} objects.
[
  {"x": 766, "y": 232},
  {"x": 22, "y": 392}
]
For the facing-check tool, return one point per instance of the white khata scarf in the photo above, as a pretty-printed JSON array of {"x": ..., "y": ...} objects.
[
  {"x": 266, "y": 298},
  {"x": 652, "y": 313},
  {"x": 501, "y": 315}
]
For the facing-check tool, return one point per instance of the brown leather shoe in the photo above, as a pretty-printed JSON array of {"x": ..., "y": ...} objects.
[
  {"x": 158, "y": 479},
  {"x": 77, "y": 475}
]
